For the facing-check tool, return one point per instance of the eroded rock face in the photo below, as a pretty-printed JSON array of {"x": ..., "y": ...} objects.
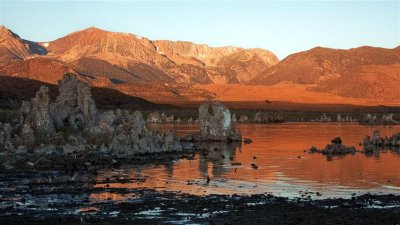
[
  {"x": 5, "y": 136},
  {"x": 27, "y": 135},
  {"x": 131, "y": 136},
  {"x": 217, "y": 125},
  {"x": 72, "y": 124},
  {"x": 74, "y": 107},
  {"x": 36, "y": 114}
]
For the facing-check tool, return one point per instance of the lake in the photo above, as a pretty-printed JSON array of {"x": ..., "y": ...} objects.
[{"x": 284, "y": 167}]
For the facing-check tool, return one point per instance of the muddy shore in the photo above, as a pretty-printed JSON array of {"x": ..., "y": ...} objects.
[{"x": 154, "y": 207}]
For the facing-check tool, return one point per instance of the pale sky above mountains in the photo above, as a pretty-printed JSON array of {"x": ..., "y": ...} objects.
[{"x": 282, "y": 27}]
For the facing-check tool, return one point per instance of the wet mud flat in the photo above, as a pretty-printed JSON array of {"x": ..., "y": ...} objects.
[
  {"x": 63, "y": 190},
  {"x": 152, "y": 207}
]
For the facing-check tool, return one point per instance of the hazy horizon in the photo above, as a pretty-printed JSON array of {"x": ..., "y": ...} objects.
[{"x": 281, "y": 27}]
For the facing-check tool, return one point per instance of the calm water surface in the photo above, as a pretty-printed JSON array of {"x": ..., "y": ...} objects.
[{"x": 284, "y": 168}]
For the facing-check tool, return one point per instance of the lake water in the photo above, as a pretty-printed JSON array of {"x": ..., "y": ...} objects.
[{"x": 284, "y": 169}]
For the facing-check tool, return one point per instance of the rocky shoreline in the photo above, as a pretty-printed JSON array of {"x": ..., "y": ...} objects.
[{"x": 72, "y": 125}]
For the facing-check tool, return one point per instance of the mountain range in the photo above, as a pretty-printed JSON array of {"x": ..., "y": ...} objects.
[{"x": 168, "y": 71}]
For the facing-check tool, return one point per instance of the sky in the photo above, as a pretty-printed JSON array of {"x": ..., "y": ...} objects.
[{"x": 283, "y": 27}]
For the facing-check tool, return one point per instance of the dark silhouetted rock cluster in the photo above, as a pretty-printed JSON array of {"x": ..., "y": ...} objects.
[
  {"x": 335, "y": 148},
  {"x": 376, "y": 141},
  {"x": 72, "y": 124}
]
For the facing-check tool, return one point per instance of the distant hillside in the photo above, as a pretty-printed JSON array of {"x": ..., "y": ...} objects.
[
  {"x": 365, "y": 72},
  {"x": 174, "y": 71},
  {"x": 14, "y": 90}
]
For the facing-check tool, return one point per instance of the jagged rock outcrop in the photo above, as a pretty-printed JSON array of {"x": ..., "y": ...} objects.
[
  {"x": 36, "y": 113},
  {"x": 216, "y": 125},
  {"x": 376, "y": 141},
  {"x": 74, "y": 107},
  {"x": 335, "y": 148},
  {"x": 126, "y": 134},
  {"x": 73, "y": 124}
]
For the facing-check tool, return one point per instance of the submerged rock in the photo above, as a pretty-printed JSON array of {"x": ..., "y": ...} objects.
[{"x": 247, "y": 140}]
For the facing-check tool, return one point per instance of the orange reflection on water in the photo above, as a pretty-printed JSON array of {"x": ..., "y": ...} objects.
[{"x": 283, "y": 166}]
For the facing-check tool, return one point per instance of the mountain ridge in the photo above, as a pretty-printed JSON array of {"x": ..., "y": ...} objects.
[{"x": 130, "y": 62}]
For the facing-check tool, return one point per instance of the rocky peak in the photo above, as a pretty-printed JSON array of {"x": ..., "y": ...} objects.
[
  {"x": 187, "y": 52},
  {"x": 15, "y": 46}
]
